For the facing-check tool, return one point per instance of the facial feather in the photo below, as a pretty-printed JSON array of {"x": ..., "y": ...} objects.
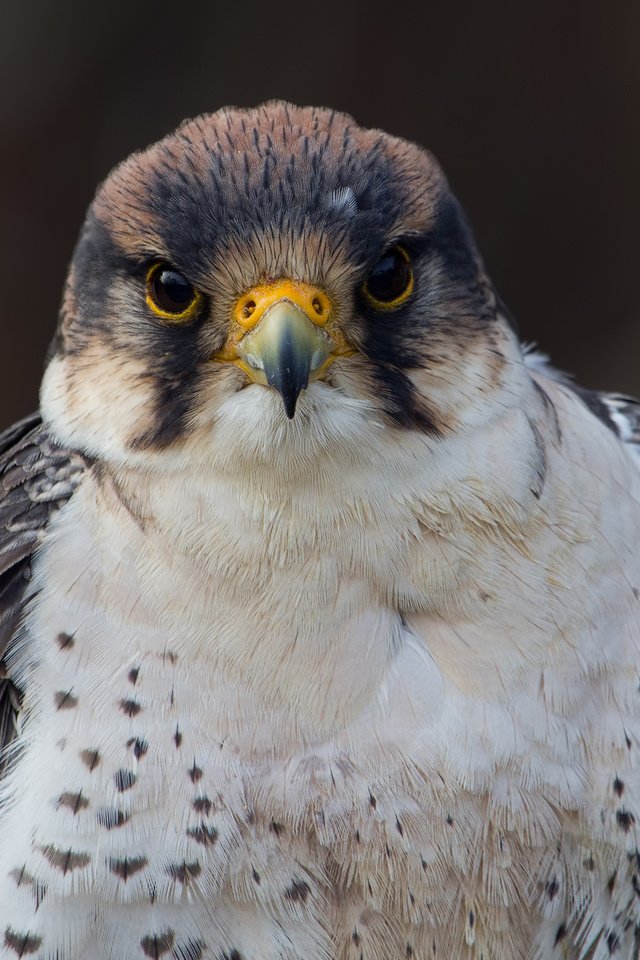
[{"x": 241, "y": 197}]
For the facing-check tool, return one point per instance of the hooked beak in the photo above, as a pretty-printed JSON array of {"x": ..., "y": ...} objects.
[
  {"x": 283, "y": 336},
  {"x": 287, "y": 350}
]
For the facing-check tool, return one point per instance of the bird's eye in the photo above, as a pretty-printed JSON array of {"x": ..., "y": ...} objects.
[
  {"x": 391, "y": 280},
  {"x": 170, "y": 295}
]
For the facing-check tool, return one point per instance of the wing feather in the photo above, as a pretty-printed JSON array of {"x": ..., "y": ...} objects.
[
  {"x": 621, "y": 414},
  {"x": 36, "y": 478}
]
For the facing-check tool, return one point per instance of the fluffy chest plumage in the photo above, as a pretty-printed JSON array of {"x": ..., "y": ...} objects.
[
  {"x": 165, "y": 789},
  {"x": 224, "y": 757}
]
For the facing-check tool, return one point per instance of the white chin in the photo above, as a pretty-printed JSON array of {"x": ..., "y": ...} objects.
[{"x": 252, "y": 425}]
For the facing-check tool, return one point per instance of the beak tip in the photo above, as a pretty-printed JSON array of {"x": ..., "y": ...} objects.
[
  {"x": 290, "y": 401},
  {"x": 289, "y": 347}
]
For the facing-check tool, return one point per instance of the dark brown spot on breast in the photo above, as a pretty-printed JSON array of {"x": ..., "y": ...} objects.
[
  {"x": 111, "y": 819},
  {"x": 276, "y": 828},
  {"x": 184, "y": 872},
  {"x": 21, "y": 943},
  {"x": 65, "y": 641},
  {"x": 124, "y": 780},
  {"x": 203, "y": 805},
  {"x": 155, "y": 945},
  {"x": 561, "y": 933},
  {"x": 73, "y": 801},
  {"x": 126, "y": 867},
  {"x": 65, "y": 860},
  {"x": 169, "y": 657},
  {"x": 373, "y": 803},
  {"x": 613, "y": 942},
  {"x": 195, "y": 773},
  {"x": 618, "y": 787},
  {"x": 177, "y": 737},
  {"x": 552, "y": 888},
  {"x": 131, "y": 708},
  {"x": 399, "y": 827},
  {"x": 256, "y": 876},
  {"x": 90, "y": 758},
  {"x": 611, "y": 882},
  {"x": 132, "y": 676},
  {"x": 298, "y": 891},
  {"x": 625, "y": 820},
  {"x": 139, "y": 745},
  {"x": 65, "y": 700},
  {"x": 204, "y": 835},
  {"x": 21, "y": 876}
]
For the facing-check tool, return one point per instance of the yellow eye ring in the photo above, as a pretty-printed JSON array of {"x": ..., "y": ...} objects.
[
  {"x": 390, "y": 281},
  {"x": 170, "y": 295}
]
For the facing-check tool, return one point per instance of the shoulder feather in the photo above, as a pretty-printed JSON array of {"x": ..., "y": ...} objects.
[
  {"x": 621, "y": 414},
  {"x": 36, "y": 478}
]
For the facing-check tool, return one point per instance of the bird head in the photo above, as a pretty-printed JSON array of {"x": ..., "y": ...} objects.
[{"x": 266, "y": 279}]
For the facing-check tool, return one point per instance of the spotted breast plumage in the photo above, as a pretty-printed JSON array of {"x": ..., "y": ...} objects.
[{"x": 319, "y": 593}]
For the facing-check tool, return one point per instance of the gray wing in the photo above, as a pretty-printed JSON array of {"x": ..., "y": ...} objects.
[
  {"x": 617, "y": 411},
  {"x": 36, "y": 478},
  {"x": 624, "y": 414}
]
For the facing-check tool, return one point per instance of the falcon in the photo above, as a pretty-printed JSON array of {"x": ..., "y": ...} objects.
[{"x": 319, "y": 595}]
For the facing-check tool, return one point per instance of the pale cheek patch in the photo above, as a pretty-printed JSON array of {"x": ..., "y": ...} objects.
[{"x": 97, "y": 403}]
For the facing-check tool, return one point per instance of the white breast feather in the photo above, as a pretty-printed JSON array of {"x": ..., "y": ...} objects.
[{"x": 443, "y": 764}]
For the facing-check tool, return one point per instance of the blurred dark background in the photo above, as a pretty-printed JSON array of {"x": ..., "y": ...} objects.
[{"x": 533, "y": 109}]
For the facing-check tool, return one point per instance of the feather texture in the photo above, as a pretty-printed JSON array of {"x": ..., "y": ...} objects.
[{"x": 356, "y": 685}]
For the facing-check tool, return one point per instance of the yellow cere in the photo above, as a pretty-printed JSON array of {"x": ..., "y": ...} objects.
[
  {"x": 252, "y": 305},
  {"x": 312, "y": 300}
]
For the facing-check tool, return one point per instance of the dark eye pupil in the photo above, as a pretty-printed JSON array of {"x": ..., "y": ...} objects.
[
  {"x": 171, "y": 291},
  {"x": 390, "y": 277}
]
